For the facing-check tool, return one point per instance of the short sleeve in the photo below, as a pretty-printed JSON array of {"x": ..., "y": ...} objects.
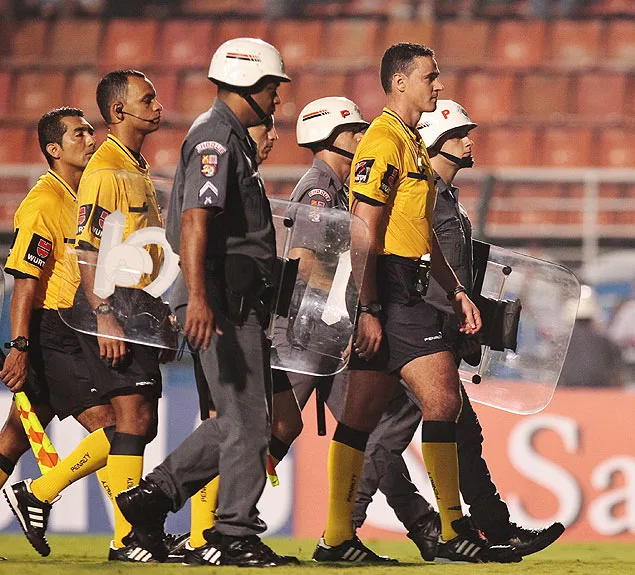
[
  {"x": 206, "y": 175},
  {"x": 97, "y": 198},
  {"x": 375, "y": 171},
  {"x": 318, "y": 197},
  {"x": 32, "y": 242}
]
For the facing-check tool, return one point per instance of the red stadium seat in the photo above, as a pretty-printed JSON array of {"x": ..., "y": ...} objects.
[
  {"x": 507, "y": 147},
  {"x": 300, "y": 42},
  {"x": 185, "y": 44},
  {"x": 575, "y": 44},
  {"x": 518, "y": 44},
  {"x": 29, "y": 41},
  {"x": 601, "y": 96},
  {"x": 233, "y": 28},
  {"x": 82, "y": 94},
  {"x": 74, "y": 42},
  {"x": 207, "y": 6},
  {"x": 350, "y": 43},
  {"x": 368, "y": 94},
  {"x": 616, "y": 148},
  {"x": 36, "y": 93},
  {"x": 566, "y": 147},
  {"x": 621, "y": 43},
  {"x": 287, "y": 111},
  {"x": 129, "y": 44},
  {"x": 5, "y": 86},
  {"x": 463, "y": 43},
  {"x": 12, "y": 144},
  {"x": 197, "y": 95},
  {"x": 488, "y": 97},
  {"x": 286, "y": 151},
  {"x": 391, "y": 8},
  {"x": 166, "y": 85},
  {"x": 312, "y": 85},
  {"x": 544, "y": 96},
  {"x": 396, "y": 30},
  {"x": 163, "y": 149}
]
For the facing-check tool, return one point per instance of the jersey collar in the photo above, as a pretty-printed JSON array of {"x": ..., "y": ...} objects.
[
  {"x": 414, "y": 134},
  {"x": 124, "y": 149},
  {"x": 63, "y": 182}
]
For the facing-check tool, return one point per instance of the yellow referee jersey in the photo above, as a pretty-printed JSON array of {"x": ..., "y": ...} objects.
[
  {"x": 44, "y": 224},
  {"x": 114, "y": 180},
  {"x": 392, "y": 167}
]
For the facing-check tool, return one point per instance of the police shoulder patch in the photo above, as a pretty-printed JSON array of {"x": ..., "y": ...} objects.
[
  {"x": 210, "y": 146},
  {"x": 362, "y": 171},
  {"x": 83, "y": 215},
  {"x": 39, "y": 250},
  {"x": 319, "y": 193},
  {"x": 97, "y": 223}
]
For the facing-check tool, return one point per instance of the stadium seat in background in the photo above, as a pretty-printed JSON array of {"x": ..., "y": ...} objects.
[
  {"x": 451, "y": 84},
  {"x": 287, "y": 151},
  {"x": 615, "y": 148},
  {"x": 12, "y": 144},
  {"x": 574, "y": 43},
  {"x": 312, "y": 85},
  {"x": 166, "y": 85},
  {"x": 128, "y": 44},
  {"x": 13, "y": 191},
  {"x": 601, "y": 96},
  {"x": 162, "y": 149},
  {"x": 390, "y": 8},
  {"x": 196, "y": 95},
  {"x": 463, "y": 43},
  {"x": 5, "y": 87},
  {"x": 396, "y": 30},
  {"x": 367, "y": 93},
  {"x": 234, "y": 28},
  {"x": 288, "y": 110},
  {"x": 28, "y": 43},
  {"x": 299, "y": 42},
  {"x": 505, "y": 146},
  {"x": 489, "y": 96},
  {"x": 621, "y": 44},
  {"x": 350, "y": 43},
  {"x": 211, "y": 7},
  {"x": 518, "y": 44},
  {"x": 185, "y": 44},
  {"x": 74, "y": 42},
  {"x": 36, "y": 93},
  {"x": 543, "y": 97},
  {"x": 566, "y": 147},
  {"x": 83, "y": 85}
]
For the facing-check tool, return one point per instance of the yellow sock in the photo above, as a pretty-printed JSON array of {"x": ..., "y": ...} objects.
[
  {"x": 102, "y": 477},
  {"x": 124, "y": 471},
  {"x": 345, "y": 465},
  {"x": 443, "y": 469},
  {"x": 89, "y": 456},
  {"x": 3, "y": 478},
  {"x": 203, "y": 508}
]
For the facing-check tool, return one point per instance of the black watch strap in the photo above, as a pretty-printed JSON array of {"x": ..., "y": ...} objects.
[
  {"x": 456, "y": 291},
  {"x": 20, "y": 343},
  {"x": 372, "y": 308}
]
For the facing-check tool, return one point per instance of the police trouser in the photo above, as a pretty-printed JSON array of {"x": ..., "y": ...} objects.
[
  {"x": 234, "y": 443},
  {"x": 385, "y": 469}
]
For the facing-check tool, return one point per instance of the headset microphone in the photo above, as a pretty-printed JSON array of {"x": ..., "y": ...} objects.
[{"x": 138, "y": 117}]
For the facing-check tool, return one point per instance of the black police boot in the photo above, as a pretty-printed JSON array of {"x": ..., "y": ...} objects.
[
  {"x": 528, "y": 541},
  {"x": 425, "y": 535}
]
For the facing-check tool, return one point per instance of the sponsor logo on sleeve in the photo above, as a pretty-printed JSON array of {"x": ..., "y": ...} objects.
[
  {"x": 97, "y": 223},
  {"x": 83, "y": 216},
  {"x": 391, "y": 175},
  {"x": 211, "y": 146},
  {"x": 362, "y": 171},
  {"x": 39, "y": 250},
  {"x": 209, "y": 165},
  {"x": 319, "y": 193}
]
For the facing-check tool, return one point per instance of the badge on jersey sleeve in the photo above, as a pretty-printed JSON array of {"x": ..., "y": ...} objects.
[
  {"x": 97, "y": 223},
  {"x": 391, "y": 175},
  {"x": 39, "y": 251},
  {"x": 83, "y": 215},
  {"x": 362, "y": 171}
]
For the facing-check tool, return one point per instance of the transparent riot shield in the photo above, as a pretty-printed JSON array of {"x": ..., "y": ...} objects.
[
  {"x": 526, "y": 304},
  {"x": 120, "y": 256},
  {"x": 318, "y": 297}
]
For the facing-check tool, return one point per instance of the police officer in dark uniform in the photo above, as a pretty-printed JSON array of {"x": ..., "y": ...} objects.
[
  {"x": 220, "y": 223},
  {"x": 445, "y": 133}
]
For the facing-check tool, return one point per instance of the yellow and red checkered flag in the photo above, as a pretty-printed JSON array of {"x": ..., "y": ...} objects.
[{"x": 43, "y": 449}]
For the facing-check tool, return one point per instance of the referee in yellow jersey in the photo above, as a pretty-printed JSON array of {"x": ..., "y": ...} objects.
[{"x": 397, "y": 333}]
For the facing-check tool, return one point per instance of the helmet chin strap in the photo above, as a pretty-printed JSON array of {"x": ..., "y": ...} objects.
[
  {"x": 465, "y": 162},
  {"x": 340, "y": 151},
  {"x": 255, "y": 107}
]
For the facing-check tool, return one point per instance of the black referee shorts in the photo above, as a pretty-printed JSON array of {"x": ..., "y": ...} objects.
[
  {"x": 411, "y": 326},
  {"x": 62, "y": 378}
]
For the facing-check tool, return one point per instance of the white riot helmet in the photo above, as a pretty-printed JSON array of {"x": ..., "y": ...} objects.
[
  {"x": 243, "y": 62},
  {"x": 319, "y": 119},
  {"x": 448, "y": 116}
]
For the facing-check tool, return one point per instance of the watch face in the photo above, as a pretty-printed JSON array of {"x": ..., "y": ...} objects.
[{"x": 21, "y": 343}]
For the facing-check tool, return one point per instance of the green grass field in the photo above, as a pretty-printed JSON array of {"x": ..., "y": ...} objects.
[{"x": 78, "y": 555}]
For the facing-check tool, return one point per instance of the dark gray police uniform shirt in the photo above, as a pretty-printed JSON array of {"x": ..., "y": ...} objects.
[
  {"x": 218, "y": 168},
  {"x": 454, "y": 232},
  {"x": 320, "y": 187}
]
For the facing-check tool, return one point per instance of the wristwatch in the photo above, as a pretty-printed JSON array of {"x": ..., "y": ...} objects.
[
  {"x": 373, "y": 308},
  {"x": 456, "y": 291},
  {"x": 20, "y": 343},
  {"x": 103, "y": 309}
]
